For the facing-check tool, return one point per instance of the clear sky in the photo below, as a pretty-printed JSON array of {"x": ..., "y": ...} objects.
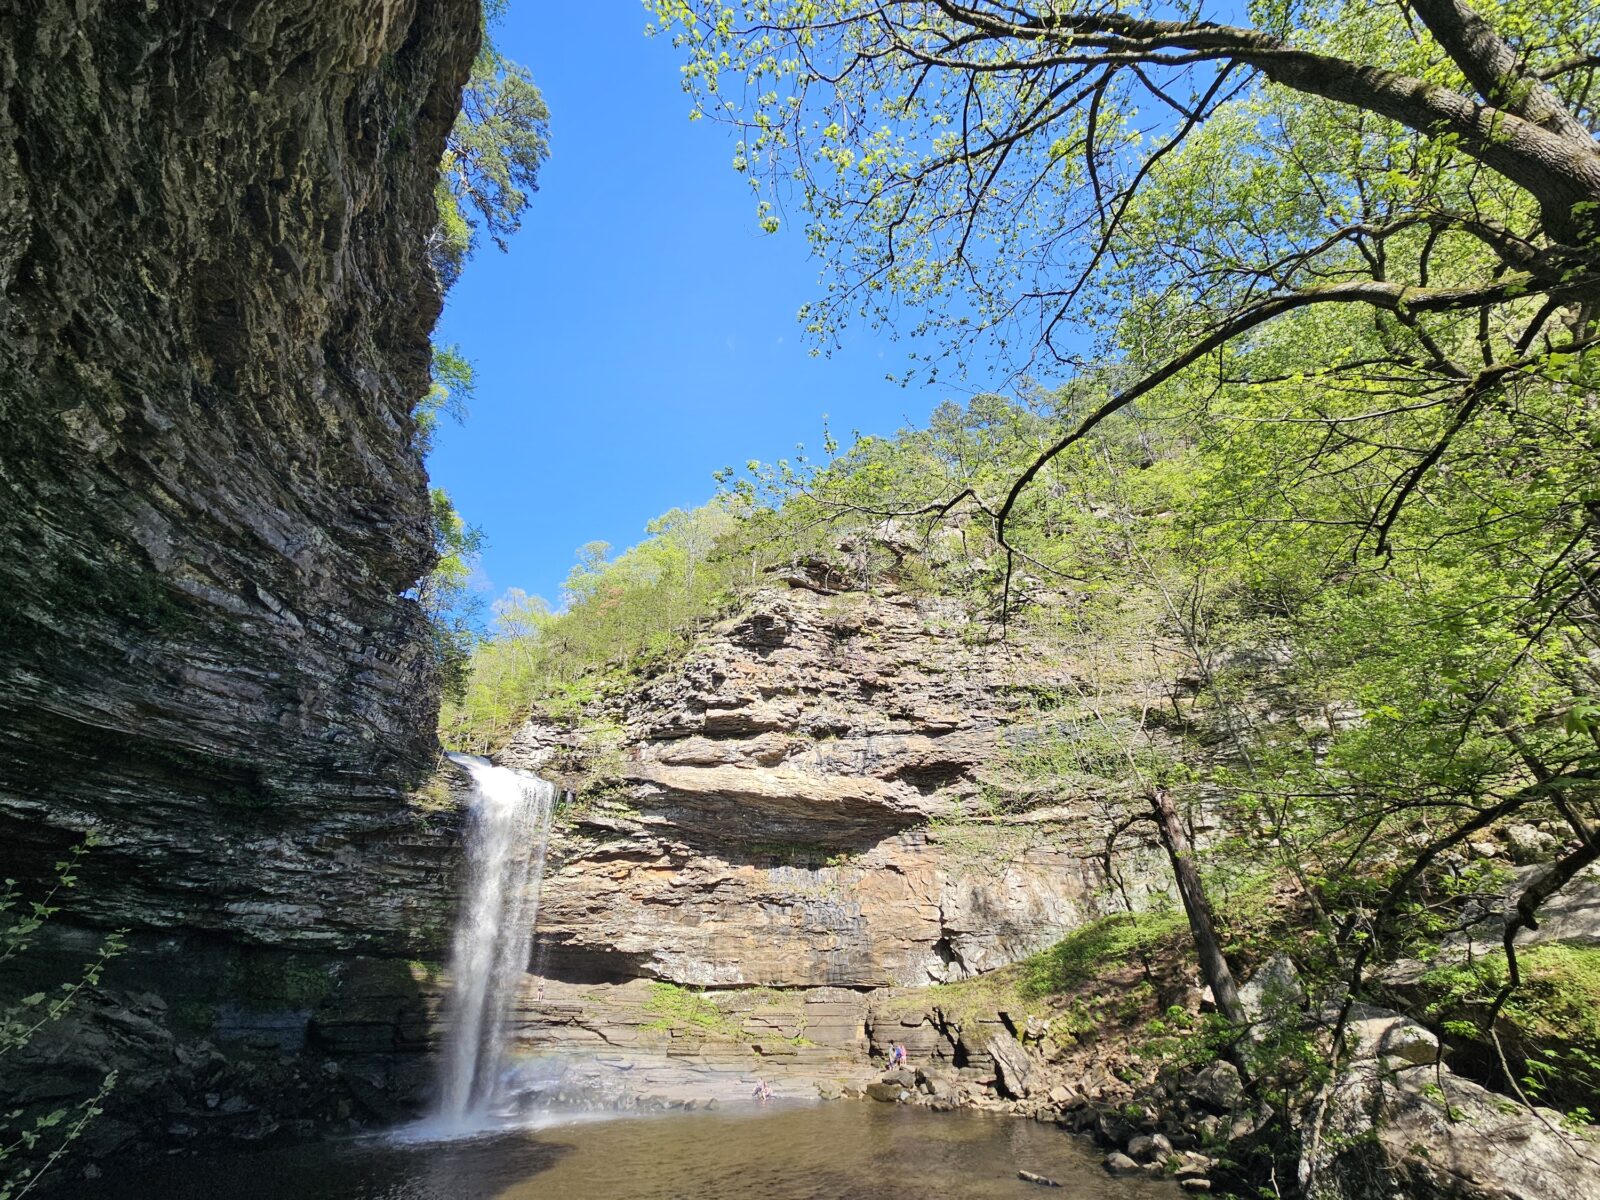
[{"x": 642, "y": 331}]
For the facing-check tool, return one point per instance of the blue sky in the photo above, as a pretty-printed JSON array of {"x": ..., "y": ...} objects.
[{"x": 641, "y": 332}]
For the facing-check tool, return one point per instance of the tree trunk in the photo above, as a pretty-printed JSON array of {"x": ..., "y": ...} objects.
[{"x": 1214, "y": 967}]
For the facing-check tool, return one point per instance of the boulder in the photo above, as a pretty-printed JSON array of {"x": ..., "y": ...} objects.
[
  {"x": 1276, "y": 984},
  {"x": 1389, "y": 1036},
  {"x": 1112, "y": 1128},
  {"x": 1149, "y": 1147},
  {"x": 1218, "y": 1087},
  {"x": 1428, "y": 1134},
  {"x": 1119, "y": 1163},
  {"x": 1015, "y": 1066},
  {"x": 1528, "y": 844}
]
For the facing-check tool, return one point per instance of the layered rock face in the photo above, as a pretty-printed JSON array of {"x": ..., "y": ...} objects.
[
  {"x": 802, "y": 803},
  {"x": 215, "y": 306},
  {"x": 215, "y": 303}
]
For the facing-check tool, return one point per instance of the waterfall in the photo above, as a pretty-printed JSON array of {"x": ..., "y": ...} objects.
[{"x": 508, "y": 828}]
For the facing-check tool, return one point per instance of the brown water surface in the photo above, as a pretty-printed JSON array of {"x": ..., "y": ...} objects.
[{"x": 833, "y": 1151}]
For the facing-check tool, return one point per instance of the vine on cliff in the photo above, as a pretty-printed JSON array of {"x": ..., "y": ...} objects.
[{"x": 33, "y": 1139}]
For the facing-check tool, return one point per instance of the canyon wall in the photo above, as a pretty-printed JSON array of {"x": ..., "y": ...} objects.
[
  {"x": 819, "y": 796},
  {"x": 215, "y": 306},
  {"x": 216, "y": 300}
]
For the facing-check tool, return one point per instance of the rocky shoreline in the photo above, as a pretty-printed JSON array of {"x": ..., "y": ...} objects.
[{"x": 1394, "y": 1112}]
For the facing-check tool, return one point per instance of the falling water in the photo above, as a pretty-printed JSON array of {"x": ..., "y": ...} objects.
[{"x": 508, "y": 826}]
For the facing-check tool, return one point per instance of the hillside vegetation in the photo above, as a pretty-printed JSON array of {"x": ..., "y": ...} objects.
[{"x": 1334, "y": 462}]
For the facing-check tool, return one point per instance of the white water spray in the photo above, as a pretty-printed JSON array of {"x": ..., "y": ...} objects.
[{"x": 508, "y": 828}]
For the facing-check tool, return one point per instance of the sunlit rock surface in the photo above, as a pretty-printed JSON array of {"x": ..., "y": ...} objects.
[{"x": 802, "y": 803}]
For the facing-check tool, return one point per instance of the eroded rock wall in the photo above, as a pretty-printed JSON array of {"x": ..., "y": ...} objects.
[
  {"x": 215, "y": 304},
  {"x": 215, "y": 308},
  {"x": 804, "y": 802}
]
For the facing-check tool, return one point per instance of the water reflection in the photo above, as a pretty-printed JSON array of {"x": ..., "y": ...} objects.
[{"x": 835, "y": 1151}]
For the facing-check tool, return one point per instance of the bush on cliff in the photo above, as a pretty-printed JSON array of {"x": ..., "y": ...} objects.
[{"x": 624, "y": 617}]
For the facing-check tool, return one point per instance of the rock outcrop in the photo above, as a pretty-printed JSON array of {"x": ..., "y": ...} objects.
[
  {"x": 215, "y": 307},
  {"x": 803, "y": 802},
  {"x": 1428, "y": 1134}
]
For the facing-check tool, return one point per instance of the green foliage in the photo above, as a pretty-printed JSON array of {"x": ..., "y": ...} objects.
[
  {"x": 1336, "y": 716},
  {"x": 1181, "y": 1041},
  {"x": 491, "y": 159},
  {"x": 489, "y": 168},
  {"x": 34, "y": 1141},
  {"x": 1549, "y": 1030},
  {"x": 625, "y": 617},
  {"x": 1099, "y": 948},
  {"x": 981, "y": 844},
  {"x": 1316, "y": 533},
  {"x": 450, "y": 389},
  {"x": 446, "y": 595},
  {"x": 679, "y": 1008}
]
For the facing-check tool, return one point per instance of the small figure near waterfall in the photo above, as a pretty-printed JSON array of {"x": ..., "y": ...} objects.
[
  {"x": 763, "y": 1093},
  {"x": 897, "y": 1056}
]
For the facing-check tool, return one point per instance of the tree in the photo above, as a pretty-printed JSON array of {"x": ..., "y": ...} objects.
[
  {"x": 449, "y": 391},
  {"x": 996, "y": 163},
  {"x": 489, "y": 168},
  {"x": 492, "y": 157},
  {"x": 623, "y": 618},
  {"x": 446, "y": 594}
]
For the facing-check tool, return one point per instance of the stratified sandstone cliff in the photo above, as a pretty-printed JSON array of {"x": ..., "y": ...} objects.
[
  {"x": 215, "y": 303},
  {"x": 804, "y": 802}
]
